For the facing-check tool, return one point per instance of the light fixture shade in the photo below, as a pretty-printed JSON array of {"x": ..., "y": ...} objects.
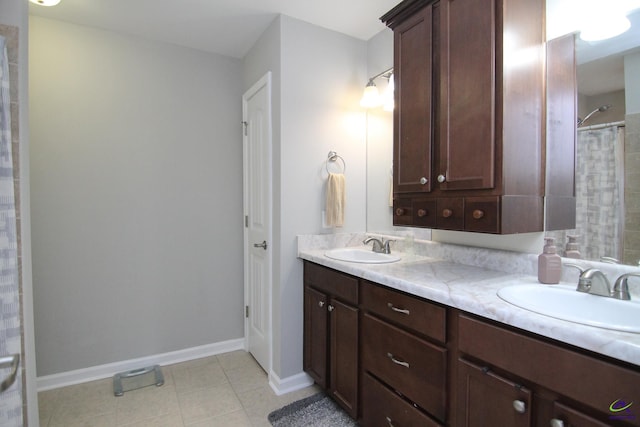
[
  {"x": 605, "y": 27},
  {"x": 371, "y": 96},
  {"x": 45, "y": 2}
]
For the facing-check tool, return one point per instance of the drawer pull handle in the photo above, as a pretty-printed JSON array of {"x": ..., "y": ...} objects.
[
  {"x": 389, "y": 421},
  {"x": 556, "y": 422},
  {"x": 400, "y": 212},
  {"x": 422, "y": 213},
  {"x": 478, "y": 214},
  {"x": 398, "y": 310},
  {"x": 397, "y": 362},
  {"x": 519, "y": 406},
  {"x": 330, "y": 308},
  {"x": 321, "y": 303},
  {"x": 447, "y": 213}
]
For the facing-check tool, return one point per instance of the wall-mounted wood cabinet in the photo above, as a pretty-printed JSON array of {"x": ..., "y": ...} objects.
[{"x": 468, "y": 124}]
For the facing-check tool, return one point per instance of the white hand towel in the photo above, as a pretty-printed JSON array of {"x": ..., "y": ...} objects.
[{"x": 334, "y": 210}]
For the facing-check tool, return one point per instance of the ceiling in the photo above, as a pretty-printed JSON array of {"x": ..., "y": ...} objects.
[
  {"x": 231, "y": 27},
  {"x": 227, "y": 27}
]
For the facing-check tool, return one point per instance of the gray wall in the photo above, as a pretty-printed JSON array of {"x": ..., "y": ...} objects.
[
  {"x": 318, "y": 76},
  {"x": 137, "y": 196}
]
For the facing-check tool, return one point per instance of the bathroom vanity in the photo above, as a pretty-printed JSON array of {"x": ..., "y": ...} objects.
[{"x": 427, "y": 342}]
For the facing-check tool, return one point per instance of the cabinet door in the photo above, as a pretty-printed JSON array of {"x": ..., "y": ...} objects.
[
  {"x": 343, "y": 344},
  {"x": 315, "y": 335},
  {"x": 467, "y": 130},
  {"x": 486, "y": 399},
  {"x": 413, "y": 123}
]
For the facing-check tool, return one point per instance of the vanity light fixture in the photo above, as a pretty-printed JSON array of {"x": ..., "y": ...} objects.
[
  {"x": 371, "y": 97},
  {"x": 45, "y": 2}
]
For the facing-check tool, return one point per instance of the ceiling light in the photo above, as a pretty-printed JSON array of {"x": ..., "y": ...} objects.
[
  {"x": 606, "y": 26},
  {"x": 45, "y": 2}
]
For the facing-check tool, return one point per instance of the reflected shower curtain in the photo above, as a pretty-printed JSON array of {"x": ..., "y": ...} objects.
[
  {"x": 10, "y": 333},
  {"x": 599, "y": 192}
]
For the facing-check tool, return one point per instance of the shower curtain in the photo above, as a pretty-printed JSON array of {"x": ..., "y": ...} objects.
[
  {"x": 599, "y": 191},
  {"x": 10, "y": 331}
]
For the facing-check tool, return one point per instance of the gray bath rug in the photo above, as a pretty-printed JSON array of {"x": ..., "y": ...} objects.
[{"x": 314, "y": 411}]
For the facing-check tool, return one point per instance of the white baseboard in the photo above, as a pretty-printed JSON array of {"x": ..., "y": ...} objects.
[
  {"x": 282, "y": 386},
  {"x": 78, "y": 376}
]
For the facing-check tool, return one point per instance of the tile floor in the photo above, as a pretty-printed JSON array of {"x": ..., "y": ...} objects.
[{"x": 227, "y": 390}]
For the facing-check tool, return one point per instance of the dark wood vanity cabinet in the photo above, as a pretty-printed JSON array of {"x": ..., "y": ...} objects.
[
  {"x": 391, "y": 358},
  {"x": 469, "y": 114},
  {"x": 331, "y": 329}
]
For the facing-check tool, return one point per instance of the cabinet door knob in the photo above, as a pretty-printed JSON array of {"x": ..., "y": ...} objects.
[
  {"x": 556, "y": 422},
  {"x": 423, "y": 180},
  {"x": 478, "y": 214},
  {"x": 442, "y": 178},
  {"x": 321, "y": 303},
  {"x": 447, "y": 213},
  {"x": 422, "y": 213},
  {"x": 519, "y": 406},
  {"x": 330, "y": 308},
  {"x": 399, "y": 212}
]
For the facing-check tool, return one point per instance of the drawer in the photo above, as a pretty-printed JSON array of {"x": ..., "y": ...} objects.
[
  {"x": 482, "y": 214},
  {"x": 424, "y": 213},
  {"x": 587, "y": 379},
  {"x": 419, "y": 315},
  {"x": 402, "y": 212},
  {"x": 383, "y": 408},
  {"x": 450, "y": 213},
  {"x": 408, "y": 364},
  {"x": 332, "y": 282}
]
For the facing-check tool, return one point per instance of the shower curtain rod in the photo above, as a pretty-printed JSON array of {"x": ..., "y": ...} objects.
[{"x": 602, "y": 126}]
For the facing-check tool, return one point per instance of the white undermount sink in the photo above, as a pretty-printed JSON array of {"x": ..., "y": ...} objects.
[
  {"x": 363, "y": 256},
  {"x": 565, "y": 303}
]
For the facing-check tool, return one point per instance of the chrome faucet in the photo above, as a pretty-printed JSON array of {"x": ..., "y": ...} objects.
[
  {"x": 621, "y": 287},
  {"x": 594, "y": 281},
  {"x": 379, "y": 245}
]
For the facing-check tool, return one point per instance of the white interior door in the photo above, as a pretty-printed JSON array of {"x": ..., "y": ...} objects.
[{"x": 256, "y": 111}]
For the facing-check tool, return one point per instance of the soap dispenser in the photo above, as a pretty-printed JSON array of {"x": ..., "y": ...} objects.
[
  {"x": 549, "y": 263},
  {"x": 571, "y": 250}
]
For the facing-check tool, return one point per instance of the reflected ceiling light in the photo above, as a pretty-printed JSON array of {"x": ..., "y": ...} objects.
[
  {"x": 45, "y": 2},
  {"x": 371, "y": 97},
  {"x": 605, "y": 28}
]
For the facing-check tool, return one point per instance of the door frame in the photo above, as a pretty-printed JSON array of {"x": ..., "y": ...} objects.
[{"x": 263, "y": 82}]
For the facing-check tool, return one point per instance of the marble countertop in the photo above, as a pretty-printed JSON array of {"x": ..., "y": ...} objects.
[{"x": 473, "y": 289}]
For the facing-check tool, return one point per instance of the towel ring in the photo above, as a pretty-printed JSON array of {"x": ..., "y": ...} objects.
[{"x": 334, "y": 157}]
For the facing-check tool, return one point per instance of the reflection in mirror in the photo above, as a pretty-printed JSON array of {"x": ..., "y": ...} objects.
[{"x": 608, "y": 148}]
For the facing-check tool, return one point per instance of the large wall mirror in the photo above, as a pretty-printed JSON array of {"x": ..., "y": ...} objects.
[{"x": 608, "y": 141}]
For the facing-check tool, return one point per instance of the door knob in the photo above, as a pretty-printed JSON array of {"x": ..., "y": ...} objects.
[
  {"x": 442, "y": 178},
  {"x": 423, "y": 180},
  {"x": 262, "y": 245},
  {"x": 519, "y": 406}
]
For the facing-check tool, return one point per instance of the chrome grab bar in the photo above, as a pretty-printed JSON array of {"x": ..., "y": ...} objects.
[{"x": 9, "y": 362}]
